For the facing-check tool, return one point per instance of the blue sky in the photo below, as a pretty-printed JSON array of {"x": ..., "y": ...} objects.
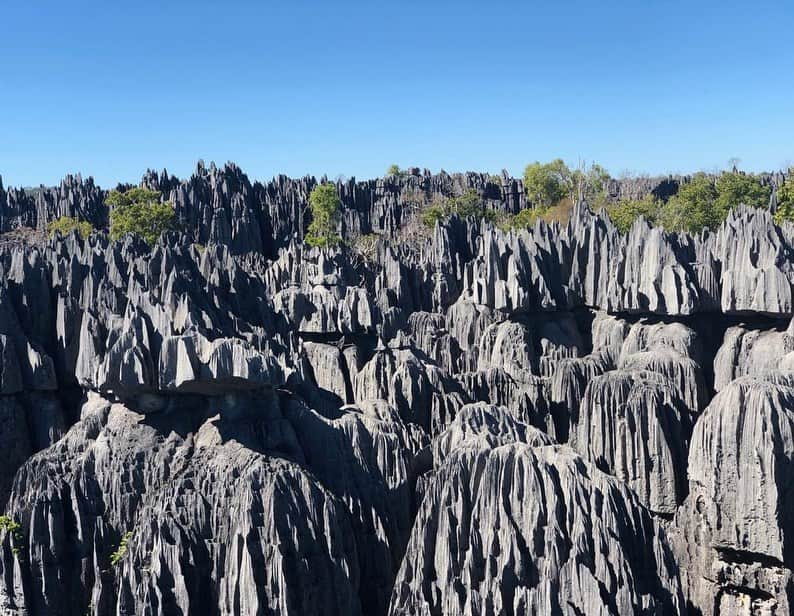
[{"x": 109, "y": 89}]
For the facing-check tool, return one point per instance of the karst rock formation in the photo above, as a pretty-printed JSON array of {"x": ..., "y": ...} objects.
[{"x": 562, "y": 419}]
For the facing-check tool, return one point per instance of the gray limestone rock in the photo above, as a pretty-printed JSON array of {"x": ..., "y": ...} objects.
[
  {"x": 523, "y": 530},
  {"x": 732, "y": 535},
  {"x": 632, "y": 426},
  {"x": 272, "y": 412},
  {"x": 485, "y": 426}
]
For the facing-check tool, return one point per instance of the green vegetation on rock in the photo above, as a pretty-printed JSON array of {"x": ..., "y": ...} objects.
[
  {"x": 139, "y": 211},
  {"x": 625, "y": 211},
  {"x": 66, "y": 224},
  {"x": 545, "y": 184},
  {"x": 785, "y": 202},
  {"x": 324, "y": 204},
  {"x": 121, "y": 552},
  {"x": 468, "y": 205}
]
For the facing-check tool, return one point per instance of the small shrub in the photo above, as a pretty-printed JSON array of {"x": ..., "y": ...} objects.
[
  {"x": 433, "y": 214},
  {"x": 121, "y": 552},
  {"x": 395, "y": 171},
  {"x": 624, "y": 212},
  {"x": 13, "y": 528},
  {"x": 469, "y": 204},
  {"x": 66, "y": 224},
  {"x": 785, "y": 202}
]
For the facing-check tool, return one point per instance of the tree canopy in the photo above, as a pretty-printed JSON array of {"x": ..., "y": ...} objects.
[
  {"x": 693, "y": 208},
  {"x": 140, "y": 211},
  {"x": 324, "y": 205},
  {"x": 704, "y": 202},
  {"x": 625, "y": 211},
  {"x": 738, "y": 188},
  {"x": 545, "y": 184}
]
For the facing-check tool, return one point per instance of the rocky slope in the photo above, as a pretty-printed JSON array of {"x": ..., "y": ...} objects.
[{"x": 463, "y": 420}]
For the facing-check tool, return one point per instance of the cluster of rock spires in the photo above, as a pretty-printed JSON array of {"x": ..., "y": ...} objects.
[{"x": 562, "y": 419}]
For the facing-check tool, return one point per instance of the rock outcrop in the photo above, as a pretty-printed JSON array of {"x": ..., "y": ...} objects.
[
  {"x": 457, "y": 420},
  {"x": 522, "y": 530},
  {"x": 734, "y": 531}
]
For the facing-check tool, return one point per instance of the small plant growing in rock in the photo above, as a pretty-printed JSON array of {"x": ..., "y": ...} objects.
[
  {"x": 121, "y": 552},
  {"x": 12, "y": 527},
  {"x": 66, "y": 224}
]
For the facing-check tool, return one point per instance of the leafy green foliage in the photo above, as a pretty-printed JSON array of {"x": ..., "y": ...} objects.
[
  {"x": 121, "y": 552},
  {"x": 13, "y": 528},
  {"x": 324, "y": 204},
  {"x": 468, "y": 204},
  {"x": 434, "y": 213},
  {"x": 548, "y": 184},
  {"x": 693, "y": 208},
  {"x": 525, "y": 218},
  {"x": 561, "y": 213},
  {"x": 395, "y": 170},
  {"x": 736, "y": 188},
  {"x": 117, "y": 198},
  {"x": 785, "y": 202},
  {"x": 625, "y": 211},
  {"x": 545, "y": 184},
  {"x": 9, "y": 525},
  {"x": 140, "y": 211},
  {"x": 66, "y": 224},
  {"x": 705, "y": 203}
]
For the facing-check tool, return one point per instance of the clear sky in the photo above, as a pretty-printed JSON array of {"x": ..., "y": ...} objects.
[{"x": 111, "y": 88}]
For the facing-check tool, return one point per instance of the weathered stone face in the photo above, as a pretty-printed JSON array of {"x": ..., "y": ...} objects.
[{"x": 463, "y": 420}]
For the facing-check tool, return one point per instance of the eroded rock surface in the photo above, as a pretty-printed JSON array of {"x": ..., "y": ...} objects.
[
  {"x": 372, "y": 427},
  {"x": 522, "y": 530}
]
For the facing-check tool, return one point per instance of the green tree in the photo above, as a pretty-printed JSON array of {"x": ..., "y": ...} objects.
[
  {"x": 785, "y": 202},
  {"x": 140, "y": 211},
  {"x": 394, "y": 170},
  {"x": 66, "y": 224},
  {"x": 434, "y": 213},
  {"x": 468, "y": 204},
  {"x": 625, "y": 211},
  {"x": 324, "y": 204},
  {"x": 546, "y": 184},
  {"x": 736, "y": 188},
  {"x": 693, "y": 208}
]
